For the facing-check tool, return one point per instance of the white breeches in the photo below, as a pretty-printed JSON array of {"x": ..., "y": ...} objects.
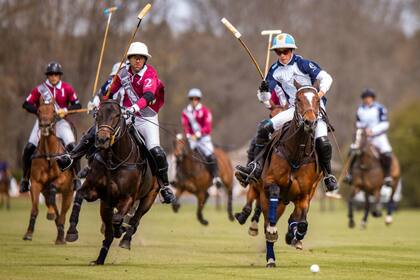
[
  {"x": 381, "y": 143},
  {"x": 148, "y": 127},
  {"x": 62, "y": 130},
  {"x": 281, "y": 118},
  {"x": 204, "y": 145}
]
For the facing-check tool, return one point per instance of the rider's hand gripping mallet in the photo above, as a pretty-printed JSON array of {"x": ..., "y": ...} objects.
[
  {"x": 270, "y": 34},
  {"x": 238, "y": 35},
  {"x": 108, "y": 11},
  {"x": 141, "y": 15}
]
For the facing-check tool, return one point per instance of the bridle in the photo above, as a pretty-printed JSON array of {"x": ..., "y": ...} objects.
[
  {"x": 115, "y": 131},
  {"x": 300, "y": 117}
]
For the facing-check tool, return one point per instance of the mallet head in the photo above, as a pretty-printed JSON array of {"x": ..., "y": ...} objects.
[
  {"x": 110, "y": 10},
  {"x": 270, "y": 32}
]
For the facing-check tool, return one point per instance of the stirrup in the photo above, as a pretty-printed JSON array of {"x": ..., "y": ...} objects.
[{"x": 64, "y": 162}]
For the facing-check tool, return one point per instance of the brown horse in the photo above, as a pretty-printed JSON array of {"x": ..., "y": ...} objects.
[
  {"x": 291, "y": 172},
  {"x": 4, "y": 189},
  {"x": 46, "y": 177},
  {"x": 253, "y": 192},
  {"x": 368, "y": 177},
  {"x": 119, "y": 176},
  {"x": 193, "y": 176}
]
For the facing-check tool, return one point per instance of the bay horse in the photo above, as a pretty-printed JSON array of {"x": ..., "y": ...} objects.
[
  {"x": 119, "y": 176},
  {"x": 4, "y": 188},
  {"x": 46, "y": 177},
  {"x": 291, "y": 172},
  {"x": 193, "y": 176},
  {"x": 252, "y": 193},
  {"x": 368, "y": 177}
]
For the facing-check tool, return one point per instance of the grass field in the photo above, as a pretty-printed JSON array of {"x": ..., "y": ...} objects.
[{"x": 176, "y": 246}]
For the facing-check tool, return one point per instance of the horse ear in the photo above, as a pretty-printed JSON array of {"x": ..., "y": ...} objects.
[
  {"x": 316, "y": 84},
  {"x": 297, "y": 85}
]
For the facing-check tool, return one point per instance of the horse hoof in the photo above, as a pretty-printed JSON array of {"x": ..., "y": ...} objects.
[
  {"x": 231, "y": 217},
  {"x": 271, "y": 263},
  {"x": 204, "y": 222},
  {"x": 253, "y": 229},
  {"x": 352, "y": 224},
  {"x": 27, "y": 236},
  {"x": 289, "y": 238},
  {"x": 60, "y": 242},
  {"x": 376, "y": 214},
  {"x": 240, "y": 217},
  {"x": 125, "y": 244},
  {"x": 298, "y": 245},
  {"x": 95, "y": 263},
  {"x": 51, "y": 216},
  {"x": 71, "y": 237},
  {"x": 175, "y": 207},
  {"x": 388, "y": 220}
]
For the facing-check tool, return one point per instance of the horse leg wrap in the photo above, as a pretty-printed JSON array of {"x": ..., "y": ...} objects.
[
  {"x": 243, "y": 216},
  {"x": 51, "y": 195},
  {"x": 273, "y": 193},
  {"x": 77, "y": 204},
  {"x": 291, "y": 232},
  {"x": 271, "y": 234},
  {"x": 32, "y": 221},
  {"x": 270, "y": 251},
  {"x": 302, "y": 228}
]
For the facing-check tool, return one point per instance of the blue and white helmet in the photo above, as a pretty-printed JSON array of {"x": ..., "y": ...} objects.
[
  {"x": 283, "y": 41},
  {"x": 116, "y": 68},
  {"x": 195, "y": 92}
]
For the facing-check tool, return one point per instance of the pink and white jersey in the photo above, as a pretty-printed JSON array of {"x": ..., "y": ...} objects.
[
  {"x": 63, "y": 93},
  {"x": 146, "y": 80},
  {"x": 201, "y": 116}
]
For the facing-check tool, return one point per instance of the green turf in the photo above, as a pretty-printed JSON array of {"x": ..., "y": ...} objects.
[{"x": 176, "y": 246}]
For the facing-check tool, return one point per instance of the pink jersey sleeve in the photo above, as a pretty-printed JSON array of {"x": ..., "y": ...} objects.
[
  {"x": 186, "y": 125},
  {"x": 274, "y": 98},
  {"x": 116, "y": 85},
  {"x": 150, "y": 81},
  {"x": 70, "y": 92},
  {"x": 33, "y": 97},
  {"x": 207, "y": 122}
]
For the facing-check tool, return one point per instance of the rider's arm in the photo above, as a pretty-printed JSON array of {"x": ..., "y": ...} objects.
[
  {"x": 186, "y": 126},
  {"x": 325, "y": 80},
  {"x": 383, "y": 123},
  {"x": 31, "y": 101},
  {"x": 208, "y": 119},
  {"x": 72, "y": 98}
]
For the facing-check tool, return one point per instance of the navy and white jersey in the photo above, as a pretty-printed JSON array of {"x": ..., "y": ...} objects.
[
  {"x": 374, "y": 117},
  {"x": 281, "y": 77},
  {"x": 105, "y": 86}
]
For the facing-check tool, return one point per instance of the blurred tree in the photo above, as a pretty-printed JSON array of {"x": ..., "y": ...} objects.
[{"x": 405, "y": 137}]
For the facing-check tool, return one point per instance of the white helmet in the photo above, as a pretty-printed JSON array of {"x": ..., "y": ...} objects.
[
  {"x": 283, "y": 41},
  {"x": 194, "y": 92},
  {"x": 138, "y": 48},
  {"x": 115, "y": 69}
]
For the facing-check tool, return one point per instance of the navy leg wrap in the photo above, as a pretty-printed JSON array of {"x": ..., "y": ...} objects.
[
  {"x": 270, "y": 250},
  {"x": 390, "y": 207},
  {"x": 302, "y": 228},
  {"x": 272, "y": 211}
]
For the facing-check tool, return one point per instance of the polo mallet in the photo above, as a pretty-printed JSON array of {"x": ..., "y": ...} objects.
[
  {"x": 238, "y": 35},
  {"x": 140, "y": 16},
  {"x": 108, "y": 11},
  {"x": 270, "y": 34}
]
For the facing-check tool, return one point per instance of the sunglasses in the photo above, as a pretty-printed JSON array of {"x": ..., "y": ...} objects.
[{"x": 282, "y": 51}]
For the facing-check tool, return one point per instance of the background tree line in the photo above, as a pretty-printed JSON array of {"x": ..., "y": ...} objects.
[{"x": 360, "y": 43}]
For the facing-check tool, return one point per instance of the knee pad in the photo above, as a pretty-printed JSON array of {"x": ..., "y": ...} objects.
[
  {"x": 323, "y": 145},
  {"x": 263, "y": 131},
  {"x": 160, "y": 157}
]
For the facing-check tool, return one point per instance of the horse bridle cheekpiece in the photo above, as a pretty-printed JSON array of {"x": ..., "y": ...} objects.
[
  {"x": 115, "y": 131},
  {"x": 300, "y": 117},
  {"x": 46, "y": 128}
]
